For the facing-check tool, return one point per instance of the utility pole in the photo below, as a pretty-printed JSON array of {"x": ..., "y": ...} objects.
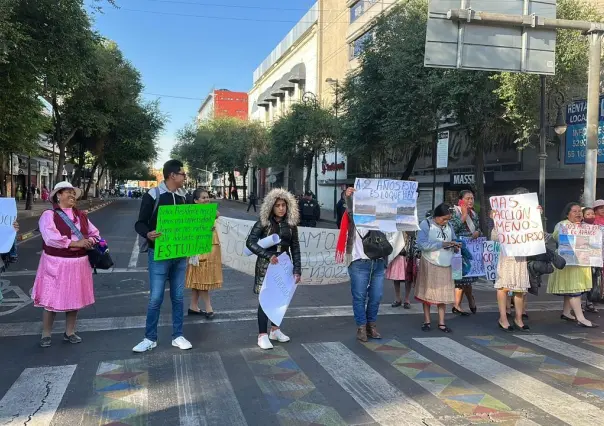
[
  {"x": 594, "y": 31},
  {"x": 28, "y": 198},
  {"x": 542, "y": 145}
]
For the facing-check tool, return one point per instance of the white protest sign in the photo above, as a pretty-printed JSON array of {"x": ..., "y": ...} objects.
[
  {"x": 490, "y": 258},
  {"x": 457, "y": 266},
  {"x": 317, "y": 250},
  {"x": 8, "y": 215},
  {"x": 475, "y": 247},
  {"x": 385, "y": 204},
  {"x": 278, "y": 289},
  {"x": 518, "y": 224},
  {"x": 580, "y": 244}
]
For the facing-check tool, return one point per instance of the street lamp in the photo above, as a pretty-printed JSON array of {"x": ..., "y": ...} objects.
[{"x": 336, "y": 84}]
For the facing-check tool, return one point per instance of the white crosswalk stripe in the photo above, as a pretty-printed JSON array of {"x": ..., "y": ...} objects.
[{"x": 306, "y": 383}]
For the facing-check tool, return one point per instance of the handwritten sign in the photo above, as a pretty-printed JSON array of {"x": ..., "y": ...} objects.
[
  {"x": 278, "y": 289},
  {"x": 317, "y": 250},
  {"x": 580, "y": 244},
  {"x": 457, "y": 266},
  {"x": 490, "y": 258},
  {"x": 475, "y": 247},
  {"x": 384, "y": 204},
  {"x": 186, "y": 230},
  {"x": 518, "y": 224},
  {"x": 8, "y": 215}
]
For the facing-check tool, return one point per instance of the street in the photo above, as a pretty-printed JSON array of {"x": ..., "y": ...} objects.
[{"x": 475, "y": 375}]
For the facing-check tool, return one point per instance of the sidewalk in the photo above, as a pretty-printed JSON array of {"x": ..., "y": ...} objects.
[
  {"x": 327, "y": 219},
  {"x": 28, "y": 219}
]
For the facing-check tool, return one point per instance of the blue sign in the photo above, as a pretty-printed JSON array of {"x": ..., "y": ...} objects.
[{"x": 576, "y": 138}]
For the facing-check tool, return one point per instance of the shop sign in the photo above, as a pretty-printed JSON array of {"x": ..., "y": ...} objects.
[
  {"x": 468, "y": 179},
  {"x": 44, "y": 171}
]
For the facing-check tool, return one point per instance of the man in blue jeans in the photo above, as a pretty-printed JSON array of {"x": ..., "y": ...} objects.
[{"x": 169, "y": 192}]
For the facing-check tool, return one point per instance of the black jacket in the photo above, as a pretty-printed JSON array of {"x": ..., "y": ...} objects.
[
  {"x": 147, "y": 217},
  {"x": 289, "y": 242}
]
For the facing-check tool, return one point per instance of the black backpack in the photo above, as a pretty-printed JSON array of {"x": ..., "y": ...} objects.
[{"x": 376, "y": 245}]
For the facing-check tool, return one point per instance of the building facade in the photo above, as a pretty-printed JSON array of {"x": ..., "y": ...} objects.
[{"x": 223, "y": 103}]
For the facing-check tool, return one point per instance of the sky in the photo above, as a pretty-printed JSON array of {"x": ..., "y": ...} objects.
[{"x": 184, "y": 48}]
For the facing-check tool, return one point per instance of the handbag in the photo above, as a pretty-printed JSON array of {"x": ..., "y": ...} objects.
[
  {"x": 143, "y": 243},
  {"x": 376, "y": 245},
  {"x": 98, "y": 259}
]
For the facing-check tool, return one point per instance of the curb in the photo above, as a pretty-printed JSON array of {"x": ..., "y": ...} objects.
[{"x": 27, "y": 235}]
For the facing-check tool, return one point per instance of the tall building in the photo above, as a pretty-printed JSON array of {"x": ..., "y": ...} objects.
[{"x": 223, "y": 103}]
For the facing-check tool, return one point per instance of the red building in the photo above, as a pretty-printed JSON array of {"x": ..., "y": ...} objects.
[{"x": 223, "y": 103}]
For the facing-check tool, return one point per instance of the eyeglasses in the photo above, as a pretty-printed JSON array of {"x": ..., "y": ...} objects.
[{"x": 181, "y": 174}]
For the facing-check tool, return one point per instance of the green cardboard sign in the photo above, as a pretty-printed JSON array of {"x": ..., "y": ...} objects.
[{"x": 186, "y": 230}]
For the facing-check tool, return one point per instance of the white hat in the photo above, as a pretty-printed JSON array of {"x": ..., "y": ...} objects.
[
  {"x": 65, "y": 185},
  {"x": 598, "y": 203}
]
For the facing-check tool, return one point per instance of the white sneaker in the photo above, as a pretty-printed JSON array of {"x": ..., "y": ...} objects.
[
  {"x": 181, "y": 343},
  {"x": 264, "y": 342},
  {"x": 144, "y": 346},
  {"x": 279, "y": 336}
]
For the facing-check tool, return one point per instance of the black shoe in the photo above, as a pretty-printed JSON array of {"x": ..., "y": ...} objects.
[
  {"x": 509, "y": 329},
  {"x": 525, "y": 328},
  {"x": 192, "y": 312},
  {"x": 426, "y": 326},
  {"x": 396, "y": 304},
  {"x": 565, "y": 318},
  {"x": 580, "y": 324},
  {"x": 444, "y": 328},
  {"x": 458, "y": 312},
  {"x": 209, "y": 315}
]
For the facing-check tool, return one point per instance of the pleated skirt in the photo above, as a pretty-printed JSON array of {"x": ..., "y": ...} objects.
[
  {"x": 208, "y": 275},
  {"x": 434, "y": 283}
]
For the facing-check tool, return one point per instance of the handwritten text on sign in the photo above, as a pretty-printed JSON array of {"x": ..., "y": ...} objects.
[
  {"x": 475, "y": 247},
  {"x": 186, "y": 230},
  {"x": 490, "y": 258},
  {"x": 384, "y": 204},
  {"x": 580, "y": 244},
  {"x": 518, "y": 224}
]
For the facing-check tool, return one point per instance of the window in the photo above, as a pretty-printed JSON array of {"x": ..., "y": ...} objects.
[
  {"x": 359, "y": 8},
  {"x": 357, "y": 46}
]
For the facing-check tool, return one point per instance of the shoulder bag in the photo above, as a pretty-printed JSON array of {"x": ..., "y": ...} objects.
[{"x": 376, "y": 245}]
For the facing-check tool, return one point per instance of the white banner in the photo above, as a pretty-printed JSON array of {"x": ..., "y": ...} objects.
[
  {"x": 278, "y": 289},
  {"x": 518, "y": 224},
  {"x": 8, "y": 214},
  {"x": 317, "y": 247}
]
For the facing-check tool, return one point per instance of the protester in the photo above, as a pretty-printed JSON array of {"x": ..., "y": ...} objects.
[
  {"x": 589, "y": 216},
  {"x": 366, "y": 275},
  {"x": 598, "y": 208},
  {"x": 465, "y": 223},
  {"x": 435, "y": 284},
  {"x": 279, "y": 215},
  {"x": 64, "y": 277},
  {"x": 174, "y": 270},
  {"x": 572, "y": 281},
  {"x": 204, "y": 272},
  {"x": 253, "y": 199}
]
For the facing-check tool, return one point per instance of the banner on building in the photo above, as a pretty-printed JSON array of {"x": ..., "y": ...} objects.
[
  {"x": 580, "y": 244},
  {"x": 317, "y": 247},
  {"x": 385, "y": 204},
  {"x": 475, "y": 247},
  {"x": 518, "y": 224}
]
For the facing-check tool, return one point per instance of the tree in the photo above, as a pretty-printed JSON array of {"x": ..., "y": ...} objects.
[
  {"x": 392, "y": 103},
  {"x": 303, "y": 133},
  {"x": 520, "y": 92}
]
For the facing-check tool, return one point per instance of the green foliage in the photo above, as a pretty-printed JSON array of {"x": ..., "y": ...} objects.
[{"x": 520, "y": 92}]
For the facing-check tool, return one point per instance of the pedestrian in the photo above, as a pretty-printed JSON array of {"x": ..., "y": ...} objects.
[
  {"x": 310, "y": 211},
  {"x": 204, "y": 272},
  {"x": 397, "y": 272},
  {"x": 169, "y": 192},
  {"x": 278, "y": 215},
  {"x": 572, "y": 281},
  {"x": 341, "y": 209},
  {"x": 44, "y": 193},
  {"x": 465, "y": 223},
  {"x": 435, "y": 284},
  {"x": 252, "y": 201},
  {"x": 64, "y": 277},
  {"x": 598, "y": 208},
  {"x": 366, "y": 274}
]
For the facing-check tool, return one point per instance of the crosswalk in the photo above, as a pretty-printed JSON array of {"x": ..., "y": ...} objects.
[{"x": 519, "y": 380}]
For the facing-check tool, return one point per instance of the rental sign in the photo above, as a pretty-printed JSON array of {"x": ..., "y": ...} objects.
[{"x": 576, "y": 138}]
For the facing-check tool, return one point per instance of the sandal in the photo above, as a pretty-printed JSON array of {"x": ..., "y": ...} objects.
[
  {"x": 406, "y": 305},
  {"x": 591, "y": 308},
  {"x": 426, "y": 326},
  {"x": 396, "y": 304},
  {"x": 444, "y": 328}
]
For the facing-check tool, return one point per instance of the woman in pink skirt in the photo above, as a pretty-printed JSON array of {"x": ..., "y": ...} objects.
[
  {"x": 398, "y": 272},
  {"x": 64, "y": 278}
]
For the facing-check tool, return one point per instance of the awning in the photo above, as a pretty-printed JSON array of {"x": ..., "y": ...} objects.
[
  {"x": 275, "y": 90},
  {"x": 285, "y": 84},
  {"x": 298, "y": 73}
]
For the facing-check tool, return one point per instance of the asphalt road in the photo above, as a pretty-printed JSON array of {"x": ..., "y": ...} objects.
[{"x": 475, "y": 375}]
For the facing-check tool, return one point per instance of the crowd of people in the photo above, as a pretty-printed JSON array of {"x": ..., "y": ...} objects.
[{"x": 420, "y": 260}]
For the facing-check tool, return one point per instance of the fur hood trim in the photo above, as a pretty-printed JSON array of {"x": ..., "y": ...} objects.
[{"x": 293, "y": 214}]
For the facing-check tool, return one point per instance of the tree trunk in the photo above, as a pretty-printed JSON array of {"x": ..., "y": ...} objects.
[
  {"x": 103, "y": 168},
  {"x": 245, "y": 170},
  {"x": 58, "y": 136},
  {"x": 79, "y": 173},
  {"x": 3, "y": 174},
  {"x": 89, "y": 184},
  {"x": 308, "y": 164},
  {"x": 479, "y": 178},
  {"x": 411, "y": 163},
  {"x": 233, "y": 184}
]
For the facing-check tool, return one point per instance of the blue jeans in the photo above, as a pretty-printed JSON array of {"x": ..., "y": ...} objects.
[
  {"x": 367, "y": 287},
  {"x": 161, "y": 271},
  {"x": 13, "y": 249}
]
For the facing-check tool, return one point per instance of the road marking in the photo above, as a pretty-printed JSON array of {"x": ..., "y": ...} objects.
[
  {"x": 549, "y": 399},
  {"x": 237, "y": 315},
  {"x": 378, "y": 397},
  {"x": 35, "y": 396},
  {"x": 205, "y": 394},
  {"x": 583, "y": 355},
  {"x": 134, "y": 255},
  {"x": 9, "y": 305}
]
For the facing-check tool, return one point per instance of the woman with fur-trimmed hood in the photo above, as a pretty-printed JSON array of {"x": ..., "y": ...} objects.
[{"x": 278, "y": 215}]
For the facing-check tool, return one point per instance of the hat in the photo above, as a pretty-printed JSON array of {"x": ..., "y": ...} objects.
[
  {"x": 65, "y": 185},
  {"x": 598, "y": 203}
]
